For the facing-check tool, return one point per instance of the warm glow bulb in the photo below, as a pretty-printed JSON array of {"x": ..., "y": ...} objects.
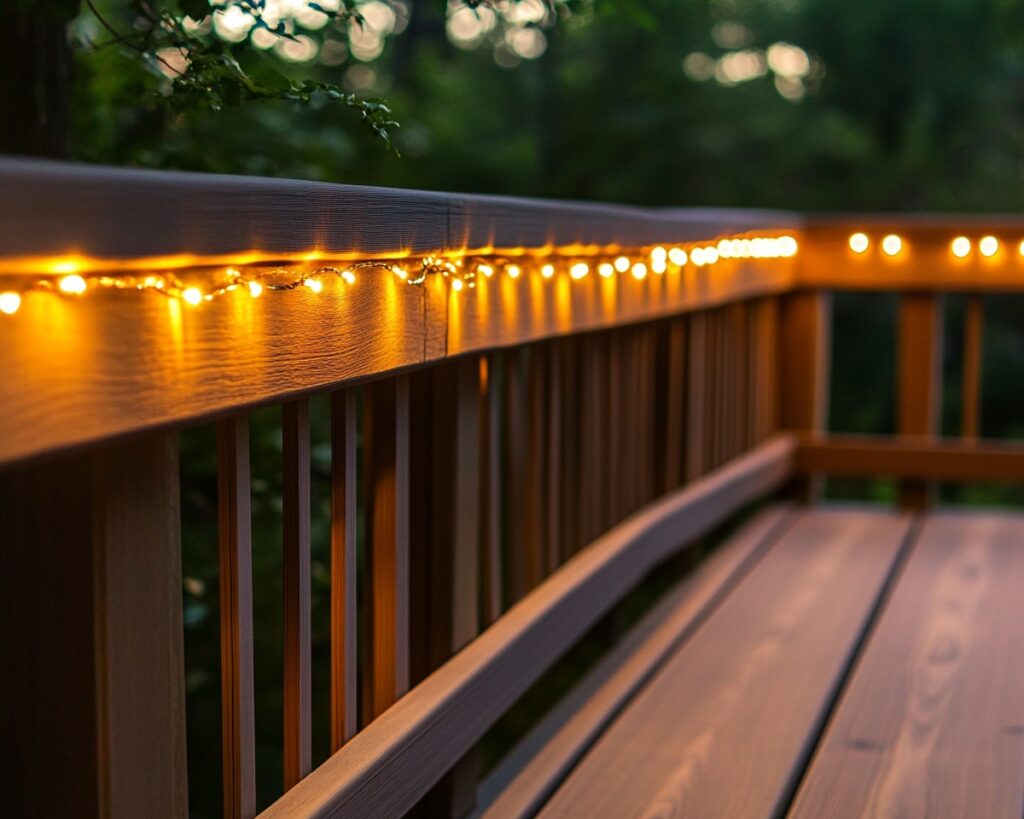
[
  {"x": 859, "y": 243},
  {"x": 9, "y": 303},
  {"x": 788, "y": 246},
  {"x": 579, "y": 270},
  {"x": 487, "y": 270},
  {"x": 892, "y": 245},
  {"x": 659, "y": 254},
  {"x": 622, "y": 264},
  {"x": 710, "y": 255},
  {"x": 605, "y": 270},
  {"x": 73, "y": 285},
  {"x": 1020, "y": 247},
  {"x": 315, "y": 285},
  {"x": 697, "y": 256},
  {"x": 192, "y": 295},
  {"x": 456, "y": 285},
  {"x": 547, "y": 271},
  {"x": 961, "y": 246},
  {"x": 348, "y": 276},
  {"x": 639, "y": 271},
  {"x": 677, "y": 256},
  {"x": 255, "y": 289},
  {"x": 988, "y": 246}
]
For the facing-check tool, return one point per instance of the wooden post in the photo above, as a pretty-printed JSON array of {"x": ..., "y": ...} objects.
[
  {"x": 919, "y": 379},
  {"x": 805, "y": 351},
  {"x": 93, "y": 664}
]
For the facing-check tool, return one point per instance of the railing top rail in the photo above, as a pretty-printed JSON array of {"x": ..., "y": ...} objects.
[
  {"x": 91, "y": 352},
  {"x": 54, "y": 209}
]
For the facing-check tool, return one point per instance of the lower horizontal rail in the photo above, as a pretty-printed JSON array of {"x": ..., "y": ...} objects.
[
  {"x": 391, "y": 764},
  {"x": 912, "y": 457}
]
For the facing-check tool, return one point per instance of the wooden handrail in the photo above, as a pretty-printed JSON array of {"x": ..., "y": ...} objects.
[{"x": 112, "y": 363}]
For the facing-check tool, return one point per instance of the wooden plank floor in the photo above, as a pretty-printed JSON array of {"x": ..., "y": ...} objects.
[
  {"x": 932, "y": 721},
  {"x": 870, "y": 664},
  {"x": 725, "y": 727}
]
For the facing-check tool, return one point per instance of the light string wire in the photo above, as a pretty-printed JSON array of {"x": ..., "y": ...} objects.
[{"x": 459, "y": 271}]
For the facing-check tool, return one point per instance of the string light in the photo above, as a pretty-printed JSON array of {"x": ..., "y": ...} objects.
[
  {"x": 988, "y": 246},
  {"x": 892, "y": 245},
  {"x": 960, "y": 246},
  {"x": 859, "y": 243},
  {"x": 9, "y": 303},
  {"x": 460, "y": 271},
  {"x": 72, "y": 284}
]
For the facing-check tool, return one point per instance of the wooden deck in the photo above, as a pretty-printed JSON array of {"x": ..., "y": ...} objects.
[{"x": 863, "y": 663}]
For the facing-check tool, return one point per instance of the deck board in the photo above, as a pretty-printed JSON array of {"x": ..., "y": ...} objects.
[
  {"x": 932, "y": 722},
  {"x": 724, "y": 728}
]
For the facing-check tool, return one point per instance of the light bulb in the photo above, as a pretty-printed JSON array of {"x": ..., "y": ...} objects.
[
  {"x": 988, "y": 246},
  {"x": 255, "y": 289},
  {"x": 892, "y": 245},
  {"x": 859, "y": 243},
  {"x": 192, "y": 295},
  {"x": 73, "y": 285},
  {"x": 9, "y": 303},
  {"x": 961, "y": 246}
]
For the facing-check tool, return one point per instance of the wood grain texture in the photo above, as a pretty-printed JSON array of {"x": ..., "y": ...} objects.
[
  {"x": 530, "y": 772},
  {"x": 722, "y": 728},
  {"x": 115, "y": 361},
  {"x": 91, "y": 660},
  {"x": 931, "y": 723},
  {"x": 344, "y": 463},
  {"x": 49, "y": 208},
  {"x": 295, "y": 585},
  {"x": 917, "y": 457},
  {"x": 238, "y": 731},
  {"x": 919, "y": 379},
  {"x": 389, "y": 765}
]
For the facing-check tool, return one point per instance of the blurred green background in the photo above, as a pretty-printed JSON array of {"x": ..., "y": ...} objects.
[{"x": 801, "y": 104}]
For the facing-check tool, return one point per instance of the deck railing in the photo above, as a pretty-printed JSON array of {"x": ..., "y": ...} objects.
[{"x": 512, "y": 448}]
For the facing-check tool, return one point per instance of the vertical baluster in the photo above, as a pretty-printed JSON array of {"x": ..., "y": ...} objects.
[
  {"x": 970, "y": 427},
  {"x": 344, "y": 714},
  {"x": 805, "y": 361},
  {"x": 295, "y": 583},
  {"x": 533, "y": 511},
  {"x": 920, "y": 379},
  {"x": 570, "y": 441},
  {"x": 554, "y": 452},
  {"x": 387, "y": 466},
  {"x": 492, "y": 552},
  {"x": 515, "y": 460},
  {"x": 616, "y": 423},
  {"x": 696, "y": 380},
  {"x": 237, "y": 702},
  {"x": 675, "y": 394},
  {"x": 466, "y": 561}
]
